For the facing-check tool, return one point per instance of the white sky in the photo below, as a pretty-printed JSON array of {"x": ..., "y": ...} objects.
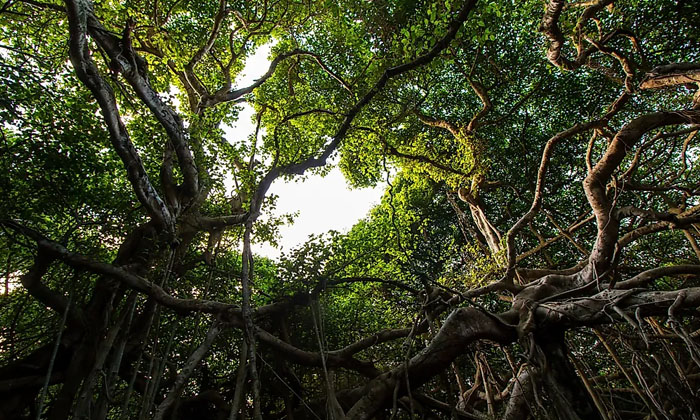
[{"x": 323, "y": 203}]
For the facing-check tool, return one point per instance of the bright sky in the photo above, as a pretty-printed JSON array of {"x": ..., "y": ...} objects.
[{"x": 322, "y": 203}]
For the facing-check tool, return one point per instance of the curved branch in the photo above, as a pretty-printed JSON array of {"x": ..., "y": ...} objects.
[
  {"x": 463, "y": 327},
  {"x": 480, "y": 91},
  {"x": 88, "y": 73},
  {"x": 309, "y": 358},
  {"x": 595, "y": 183},
  {"x": 31, "y": 281},
  {"x": 646, "y": 277},
  {"x": 218, "y": 19},
  {"x": 226, "y": 95},
  {"x": 603, "y": 307},
  {"x": 550, "y": 27},
  {"x": 230, "y": 312},
  {"x": 539, "y": 188},
  {"x": 392, "y": 151},
  {"x": 434, "y": 122},
  {"x": 681, "y": 220},
  {"x": 133, "y": 68}
]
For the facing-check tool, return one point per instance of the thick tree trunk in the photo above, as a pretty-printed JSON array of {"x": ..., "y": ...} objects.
[{"x": 560, "y": 383}]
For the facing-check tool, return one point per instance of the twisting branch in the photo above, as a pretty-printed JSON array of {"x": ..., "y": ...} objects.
[
  {"x": 85, "y": 68},
  {"x": 539, "y": 188},
  {"x": 624, "y": 62},
  {"x": 480, "y": 91},
  {"x": 682, "y": 220},
  {"x": 194, "y": 88},
  {"x": 133, "y": 67},
  {"x": 595, "y": 183},
  {"x": 55, "y": 250},
  {"x": 31, "y": 281},
  {"x": 602, "y": 307},
  {"x": 550, "y": 28},
  {"x": 226, "y": 95}
]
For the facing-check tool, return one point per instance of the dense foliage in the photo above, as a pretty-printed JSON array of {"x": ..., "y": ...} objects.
[{"x": 535, "y": 254}]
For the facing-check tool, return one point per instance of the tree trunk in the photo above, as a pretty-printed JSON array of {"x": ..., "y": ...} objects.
[{"x": 559, "y": 380}]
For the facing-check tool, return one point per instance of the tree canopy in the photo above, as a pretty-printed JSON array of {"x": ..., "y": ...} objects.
[{"x": 535, "y": 254}]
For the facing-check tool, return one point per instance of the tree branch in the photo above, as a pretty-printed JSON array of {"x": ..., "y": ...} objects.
[
  {"x": 133, "y": 68},
  {"x": 463, "y": 327},
  {"x": 88, "y": 73},
  {"x": 646, "y": 277},
  {"x": 187, "y": 370},
  {"x": 312, "y": 162}
]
